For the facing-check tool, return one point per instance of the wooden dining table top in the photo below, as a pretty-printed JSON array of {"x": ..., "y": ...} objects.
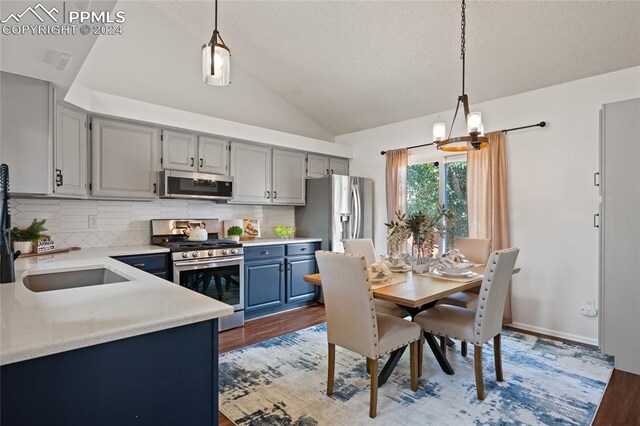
[{"x": 417, "y": 290}]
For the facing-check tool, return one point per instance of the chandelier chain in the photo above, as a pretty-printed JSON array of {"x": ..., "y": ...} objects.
[{"x": 463, "y": 27}]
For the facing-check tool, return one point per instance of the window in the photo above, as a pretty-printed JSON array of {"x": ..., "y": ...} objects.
[{"x": 430, "y": 184}]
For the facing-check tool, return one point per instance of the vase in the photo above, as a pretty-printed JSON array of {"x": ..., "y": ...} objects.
[
  {"x": 235, "y": 238},
  {"x": 420, "y": 258},
  {"x": 25, "y": 247}
]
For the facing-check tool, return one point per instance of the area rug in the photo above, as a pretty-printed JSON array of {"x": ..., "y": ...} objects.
[{"x": 282, "y": 381}]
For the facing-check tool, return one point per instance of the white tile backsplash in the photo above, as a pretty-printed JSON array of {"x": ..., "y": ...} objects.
[{"x": 126, "y": 223}]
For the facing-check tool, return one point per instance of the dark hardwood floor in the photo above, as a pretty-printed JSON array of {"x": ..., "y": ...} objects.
[{"x": 620, "y": 405}]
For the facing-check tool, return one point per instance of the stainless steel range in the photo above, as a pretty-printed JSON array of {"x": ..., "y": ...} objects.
[{"x": 213, "y": 267}]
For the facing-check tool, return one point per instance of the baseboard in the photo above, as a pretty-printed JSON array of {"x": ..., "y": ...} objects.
[{"x": 555, "y": 333}]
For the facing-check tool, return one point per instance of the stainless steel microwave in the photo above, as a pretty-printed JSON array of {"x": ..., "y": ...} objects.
[{"x": 205, "y": 186}]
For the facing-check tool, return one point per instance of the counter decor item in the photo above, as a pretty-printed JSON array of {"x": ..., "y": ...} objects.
[
  {"x": 234, "y": 233},
  {"x": 285, "y": 232},
  {"x": 251, "y": 229},
  {"x": 228, "y": 224},
  {"x": 197, "y": 231},
  {"x": 45, "y": 245},
  {"x": 23, "y": 238}
]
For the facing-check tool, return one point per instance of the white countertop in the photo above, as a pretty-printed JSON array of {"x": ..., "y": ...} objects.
[
  {"x": 45, "y": 323},
  {"x": 276, "y": 241}
]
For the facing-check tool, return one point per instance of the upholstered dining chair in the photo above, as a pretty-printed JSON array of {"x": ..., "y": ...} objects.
[
  {"x": 364, "y": 247},
  {"x": 476, "y": 250},
  {"x": 354, "y": 324},
  {"x": 485, "y": 322}
]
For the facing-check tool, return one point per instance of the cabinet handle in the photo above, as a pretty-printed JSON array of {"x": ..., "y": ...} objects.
[
  {"x": 275, "y": 195},
  {"x": 596, "y": 181},
  {"x": 331, "y": 171},
  {"x": 595, "y": 220},
  {"x": 201, "y": 162},
  {"x": 264, "y": 252},
  {"x": 191, "y": 161},
  {"x": 138, "y": 265},
  {"x": 155, "y": 188},
  {"x": 59, "y": 177},
  {"x": 327, "y": 172},
  {"x": 267, "y": 194},
  {"x": 303, "y": 249}
]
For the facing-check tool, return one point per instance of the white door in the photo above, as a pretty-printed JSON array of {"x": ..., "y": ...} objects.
[
  {"x": 124, "y": 160},
  {"x": 213, "y": 155},
  {"x": 317, "y": 166},
  {"x": 178, "y": 151},
  {"x": 251, "y": 171},
  {"x": 70, "y": 147},
  {"x": 289, "y": 177},
  {"x": 339, "y": 166}
]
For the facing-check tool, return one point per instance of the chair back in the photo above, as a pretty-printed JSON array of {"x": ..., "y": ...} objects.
[
  {"x": 493, "y": 294},
  {"x": 348, "y": 302},
  {"x": 363, "y": 247},
  {"x": 476, "y": 250}
]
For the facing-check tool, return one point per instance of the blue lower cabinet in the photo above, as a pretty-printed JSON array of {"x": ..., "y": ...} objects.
[
  {"x": 264, "y": 285},
  {"x": 297, "y": 288}
]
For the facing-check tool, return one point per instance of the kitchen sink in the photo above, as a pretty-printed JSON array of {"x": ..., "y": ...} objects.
[{"x": 71, "y": 279}]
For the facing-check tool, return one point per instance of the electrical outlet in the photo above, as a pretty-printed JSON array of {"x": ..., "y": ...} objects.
[
  {"x": 93, "y": 222},
  {"x": 588, "y": 308}
]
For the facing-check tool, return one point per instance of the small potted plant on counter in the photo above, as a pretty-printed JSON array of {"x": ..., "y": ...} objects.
[
  {"x": 234, "y": 233},
  {"x": 23, "y": 238}
]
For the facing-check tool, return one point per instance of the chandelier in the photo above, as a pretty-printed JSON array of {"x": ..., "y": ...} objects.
[
  {"x": 216, "y": 58},
  {"x": 475, "y": 129}
]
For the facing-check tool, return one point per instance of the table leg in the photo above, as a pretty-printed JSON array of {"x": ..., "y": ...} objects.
[
  {"x": 390, "y": 365},
  {"x": 435, "y": 348}
]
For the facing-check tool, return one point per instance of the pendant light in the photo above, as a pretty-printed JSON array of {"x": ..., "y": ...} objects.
[
  {"x": 475, "y": 128},
  {"x": 216, "y": 58}
]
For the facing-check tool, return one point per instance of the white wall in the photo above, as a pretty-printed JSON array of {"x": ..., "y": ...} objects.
[
  {"x": 551, "y": 194},
  {"x": 126, "y": 223}
]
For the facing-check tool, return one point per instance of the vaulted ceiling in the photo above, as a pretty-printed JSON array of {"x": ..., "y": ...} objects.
[{"x": 343, "y": 66}]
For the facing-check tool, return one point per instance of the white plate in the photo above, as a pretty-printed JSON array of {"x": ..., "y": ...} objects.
[
  {"x": 457, "y": 268},
  {"x": 405, "y": 268},
  {"x": 379, "y": 280},
  {"x": 461, "y": 274}
]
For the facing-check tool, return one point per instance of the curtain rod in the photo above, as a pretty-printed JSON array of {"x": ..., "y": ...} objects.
[{"x": 540, "y": 124}]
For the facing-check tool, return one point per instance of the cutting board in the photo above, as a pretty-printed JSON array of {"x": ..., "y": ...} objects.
[{"x": 55, "y": 251}]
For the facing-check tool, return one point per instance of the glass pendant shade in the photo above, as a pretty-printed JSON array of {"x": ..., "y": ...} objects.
[
  {"x": 474, "y": 121},
  {"x": 216, "y": 64},
  {"x": 439, "y": 131}
]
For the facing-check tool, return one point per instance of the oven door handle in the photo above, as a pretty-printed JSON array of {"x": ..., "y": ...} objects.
[{"x": 208, "y": 262}]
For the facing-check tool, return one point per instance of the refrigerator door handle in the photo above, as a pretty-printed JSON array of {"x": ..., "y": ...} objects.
[
  {"x": 355, "y": 193},
  {"x": 354, "y": 213}
]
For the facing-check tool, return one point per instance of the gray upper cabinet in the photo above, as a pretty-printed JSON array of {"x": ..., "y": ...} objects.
[
  {"x": 124, "y": 159},
  {"x": 339, "y": 166},
  {"x": 213, "y": 155},
  {"x": 251, "y": 171},
  {"x": 288, "y": 177},
  {"x": 178, "y": 150},
  {"x": 26, "y": 133},
  {"x": 70, "y": 147},
  {"x": 317, "y": 166}
]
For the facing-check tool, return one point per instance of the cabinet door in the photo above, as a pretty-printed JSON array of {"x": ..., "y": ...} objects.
[
  {"x": 297, "y": 288},
  {"x": 317, "y": 166},
  {"x": 70, "y": 146},
  {"x": 213, "y": 155},
  {"x": 178, "y": 151},
  {"x": 289, "y": 182},
  {"x": 251, "y": 171},
  {"x": 264, "y": 284},
  {"x": 124, "y": 160},
  {"x": 339, "y": 166}
]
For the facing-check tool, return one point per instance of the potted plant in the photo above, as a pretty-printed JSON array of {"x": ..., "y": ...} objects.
[
  {"x": 234, "y": 233},
  {"x": 23, "y": 238}
]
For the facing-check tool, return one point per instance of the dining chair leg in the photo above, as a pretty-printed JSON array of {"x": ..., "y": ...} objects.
[
  {"x": 477, "y": 363},
  {"x": 368, "y": 368},
  {"x": 463, "y": 348},
  {"x": 331, "y": 369},
  {"x": 373, "y": 400},
  {"x": 414, "y": 359},
  {"x": 497, "y": 356},
  {"x": 443, "y": 345},
  {"x": 420, "y": 354}
]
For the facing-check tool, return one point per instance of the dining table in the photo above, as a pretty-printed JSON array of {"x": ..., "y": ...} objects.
[{"x": 416, "y": 292}]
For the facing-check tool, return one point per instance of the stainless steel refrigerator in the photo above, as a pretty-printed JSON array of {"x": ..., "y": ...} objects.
[{"x": 338, "y": 208}]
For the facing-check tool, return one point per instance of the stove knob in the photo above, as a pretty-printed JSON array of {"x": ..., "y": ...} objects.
[
  {"x": 234, "y": 251},
  {"x": 210, "y": 253},
  {"x": 194, "y": 254},
  {"x": 185, "y": 255},
  {"x": 225, "y": 251}
]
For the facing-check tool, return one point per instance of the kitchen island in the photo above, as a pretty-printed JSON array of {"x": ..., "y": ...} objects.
[{"x": 141, "y": 351}]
